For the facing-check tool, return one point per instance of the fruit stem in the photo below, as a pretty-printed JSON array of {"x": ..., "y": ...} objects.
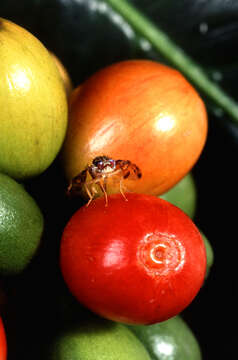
[{"x": 176, "y": 56}]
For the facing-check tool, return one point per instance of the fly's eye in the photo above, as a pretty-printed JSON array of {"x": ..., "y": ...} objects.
[
  {"x": 104, "y": 164},
  {"x": 100, "y": 165},
  {"x": 111, "y": 163}
]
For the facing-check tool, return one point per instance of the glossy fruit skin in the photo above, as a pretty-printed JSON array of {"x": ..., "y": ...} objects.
[
  {"x": 3, "y": 342},
  {"x": 97, "y": 339},
  {"x": 137, "y": 110},
  {"x": 33, "y": 118},
  {"x": 21, "y": 227},
  {"x": 138, "y": 261},
  {"x": 169, "y": 340}
]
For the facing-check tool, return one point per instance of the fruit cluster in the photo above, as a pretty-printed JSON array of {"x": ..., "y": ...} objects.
[{"x": 116, "y": 270}]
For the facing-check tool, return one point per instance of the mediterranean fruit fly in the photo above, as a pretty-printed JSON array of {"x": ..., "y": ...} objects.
[{"x": 100, "y": 170}]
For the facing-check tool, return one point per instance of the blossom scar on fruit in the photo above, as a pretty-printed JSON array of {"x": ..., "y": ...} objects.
[{"x": 100, "y": 170}]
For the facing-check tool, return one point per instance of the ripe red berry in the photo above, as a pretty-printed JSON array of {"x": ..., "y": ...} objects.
[{"x": 138, "y": 261}]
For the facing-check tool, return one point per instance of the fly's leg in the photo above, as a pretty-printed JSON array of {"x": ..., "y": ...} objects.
[
  {"x": 103, "y": 187},
  {"x": 89, "y": 193},
  {"x": 121, "y": 189},
  {"x": 91, "y": 190},
  {"x": 69, "y": 188}
]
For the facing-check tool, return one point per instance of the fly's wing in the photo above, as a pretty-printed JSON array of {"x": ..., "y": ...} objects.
[
  {"x": 129, "y": 169},
  {"x": 77, "y": 182}
]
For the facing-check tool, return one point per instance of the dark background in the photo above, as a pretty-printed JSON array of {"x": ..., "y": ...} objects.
[{"x": 86, "y": 39}]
